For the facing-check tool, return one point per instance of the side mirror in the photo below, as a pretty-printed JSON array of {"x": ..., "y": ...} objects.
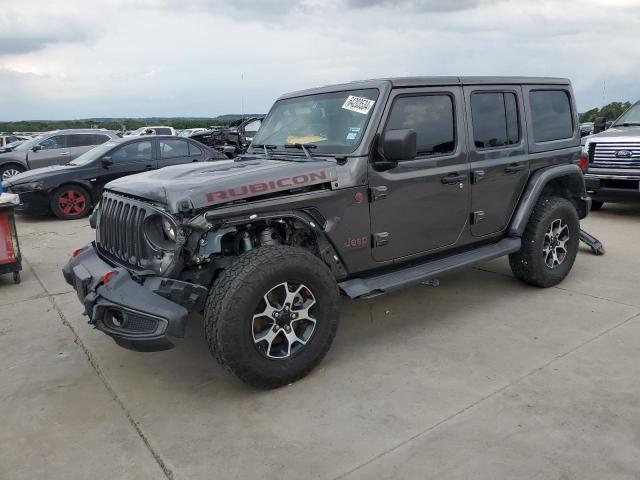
[
  {"x": 599, "y": 124},
  {"x": 106, "y": 162},
  {"x": 36, "y": 148},
  {"x": 397, "y": 145}
]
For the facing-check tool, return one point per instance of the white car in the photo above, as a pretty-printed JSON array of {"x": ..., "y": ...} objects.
[{"x": 158, "y": 130}]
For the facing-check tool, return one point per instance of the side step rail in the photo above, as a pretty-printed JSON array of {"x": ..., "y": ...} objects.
[{"x": 387, "y": 282}]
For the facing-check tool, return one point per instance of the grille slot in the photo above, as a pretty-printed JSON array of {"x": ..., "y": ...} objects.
[
  {"x": 121, "y": 234},
  {"x": 606, "y": 155}
]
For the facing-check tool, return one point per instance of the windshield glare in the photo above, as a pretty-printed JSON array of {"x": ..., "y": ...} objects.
[
  {"x": 93, "y": 154},
  {"x": 630, "y": 116},
  {"x": 333, "y": 122}
]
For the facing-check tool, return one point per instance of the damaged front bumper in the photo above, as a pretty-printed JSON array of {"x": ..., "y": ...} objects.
[{"x": 139, "y": 314}]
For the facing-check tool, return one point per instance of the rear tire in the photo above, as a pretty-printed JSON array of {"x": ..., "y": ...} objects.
[
  {"x": 549, "y": 243},
  {"x": 70, "y": 202},
  {"x": 596, "y": 205},
  {"x": 249, "y": 315},
  {"x": 10, "y": 170}
]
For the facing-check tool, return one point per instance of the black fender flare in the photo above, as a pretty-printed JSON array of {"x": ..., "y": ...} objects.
[
  {"x": 536, "y": 184},
  {"x": 328, "y": 253}
]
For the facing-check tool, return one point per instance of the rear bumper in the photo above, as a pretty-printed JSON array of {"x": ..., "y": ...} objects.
[{"x": 138, "y": 314}]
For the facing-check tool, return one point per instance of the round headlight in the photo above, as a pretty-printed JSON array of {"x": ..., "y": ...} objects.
[
  {"x": 160, "y": 232},
  {"x": 169, "y": 229}
]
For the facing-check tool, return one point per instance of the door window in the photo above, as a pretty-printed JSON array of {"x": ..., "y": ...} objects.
[
  {"x": 431, "y": 116},
  {"x": 132, "y": 152},
  {"x": 495, "y": 119},
  {"x": 53, "y": 143},
  {"x": 173, "y": 148},
  {"x": 194, "y": 151},
  {"x": 82, "y": 140},
  {"x": 163, "y": 131},
  {"x": 551, "y": 115},
  {"x": 99, "y": 139}
]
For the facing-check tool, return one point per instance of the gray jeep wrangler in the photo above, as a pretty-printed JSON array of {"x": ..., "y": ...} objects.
[{"x": 357, "y": 189}]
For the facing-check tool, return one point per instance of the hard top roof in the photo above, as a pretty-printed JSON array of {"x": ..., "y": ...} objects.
[{"x": 412, "y": 82}]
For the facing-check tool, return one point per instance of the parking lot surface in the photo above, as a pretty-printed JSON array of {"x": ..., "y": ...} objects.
[{"x": 483, "y": 377}]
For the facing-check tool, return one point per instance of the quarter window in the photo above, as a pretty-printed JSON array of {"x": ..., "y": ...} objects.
[
  {"x": 551, "y": 115},
  {"x": 100, "y": 139},
  {"x": 431, "y": 116},
  {"x": 173, "y": 148},
  {"x": 132, "y": 152},
  {"x": 495, "y": 119}
]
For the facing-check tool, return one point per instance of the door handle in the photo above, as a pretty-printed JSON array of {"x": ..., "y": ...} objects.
[
  {"x": 515, "y": 168},
  {"x": 453, "y": 179},
  {"x": 149, "y": 167},
  {"x": 64, "y": 153}
]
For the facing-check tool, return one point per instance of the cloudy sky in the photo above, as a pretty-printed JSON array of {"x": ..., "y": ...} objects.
[{"x": 62, "y": 59}]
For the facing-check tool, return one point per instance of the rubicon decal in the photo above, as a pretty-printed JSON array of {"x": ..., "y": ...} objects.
[{"x": 258, "y": 188}]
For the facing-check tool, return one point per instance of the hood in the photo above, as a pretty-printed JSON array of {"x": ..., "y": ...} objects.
[
  {"x": 214, "y": 183},
  {"x": 45, "y": 173},
  {"x": 616, "y": 134}
]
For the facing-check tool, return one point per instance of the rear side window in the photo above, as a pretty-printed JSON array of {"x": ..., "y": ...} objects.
[
  {"x": 173, "y": 148},
  {"x": 551, "y": 115},
  {"x": 431, "y": 116},
  {"x": 82, "y": 139},
  {"x": 163, "y": 131},
  {"x": 495, "y": 119},
  {"x": 194, "y": 151}
]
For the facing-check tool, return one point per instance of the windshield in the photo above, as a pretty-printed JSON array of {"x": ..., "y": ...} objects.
[
  {"x": 27, "y": 144},
  {"x": 631, "y": 116},
  {"x": 333, "y": 122},
  {"x": 93, "y": 154}
]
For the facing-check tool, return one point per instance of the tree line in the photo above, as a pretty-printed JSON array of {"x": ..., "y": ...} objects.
[
  {"x": 116, "y": 124},
  {"x": 610, "y": 112}
]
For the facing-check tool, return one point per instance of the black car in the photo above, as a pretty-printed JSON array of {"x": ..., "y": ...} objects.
[{"x": 69, "y": 191}]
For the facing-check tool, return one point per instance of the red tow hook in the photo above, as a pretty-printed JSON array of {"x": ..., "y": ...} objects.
[
  {"x": 107, "y": 276},
  {"x": 77, "y": 251}
]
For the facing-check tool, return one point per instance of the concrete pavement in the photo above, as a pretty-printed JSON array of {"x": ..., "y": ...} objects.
[{"x": 483, "y": 377}]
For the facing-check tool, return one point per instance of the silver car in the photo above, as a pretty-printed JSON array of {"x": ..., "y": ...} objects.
[{"x": 53, "y": 148}]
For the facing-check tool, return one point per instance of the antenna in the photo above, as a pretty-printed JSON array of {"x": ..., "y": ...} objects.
[
  {"x": 242, "y": 96},
  {"x": 604, "y": 91}
]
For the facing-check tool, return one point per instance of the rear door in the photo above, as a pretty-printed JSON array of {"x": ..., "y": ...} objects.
[
  {"x": 497, "y": 153},
  {"x": 422, "y": 204},
  {"x": 52, "y": 151},
  {"x": 173, "y": 151}
]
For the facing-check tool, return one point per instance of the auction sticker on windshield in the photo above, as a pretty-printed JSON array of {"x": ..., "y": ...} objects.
[{"x": 358, "y": 104}]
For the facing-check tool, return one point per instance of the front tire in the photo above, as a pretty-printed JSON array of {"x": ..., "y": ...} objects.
[
  {"x": 549, "y": 244},
  {"x": 70, "y": 202},
  {"x": 10, "y": 170},
  {"x": 272, "y": 315}
]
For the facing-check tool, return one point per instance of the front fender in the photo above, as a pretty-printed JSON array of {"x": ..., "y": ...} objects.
[{"x": 572, "y": 179}]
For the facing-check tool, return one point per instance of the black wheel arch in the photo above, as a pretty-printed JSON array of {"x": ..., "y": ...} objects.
[
  {"x": 326, "y": 249},
  {"x": 565, "y": 181}
]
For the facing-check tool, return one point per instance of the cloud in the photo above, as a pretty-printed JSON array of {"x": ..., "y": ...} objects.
[{"x": 182, "y": 58}]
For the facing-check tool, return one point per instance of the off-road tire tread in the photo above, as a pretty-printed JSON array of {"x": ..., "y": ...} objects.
[
  {"x": 242, "y": 275},
  {"x": 526, "y": 264}
]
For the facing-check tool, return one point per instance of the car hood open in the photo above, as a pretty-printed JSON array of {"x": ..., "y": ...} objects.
[{"x": 200, "y": 185}]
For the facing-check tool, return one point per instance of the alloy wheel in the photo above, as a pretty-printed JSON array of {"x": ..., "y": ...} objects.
[
  {"x": 283, "y": 322},
  {"x": 72, "y": 202},
  {"x": 554, "y": 249}
]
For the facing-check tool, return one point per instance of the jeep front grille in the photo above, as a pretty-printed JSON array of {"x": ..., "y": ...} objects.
[
  {"x": 121, "y": 230},
  {"x": 615, "y": 155}
]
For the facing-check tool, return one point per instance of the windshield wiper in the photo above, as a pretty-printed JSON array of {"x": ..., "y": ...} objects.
[
  {"x": 302, "y": 147},
  {"x": 267, "y": 148}
]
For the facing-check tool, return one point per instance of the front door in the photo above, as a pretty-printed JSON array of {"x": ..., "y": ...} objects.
[
  {"x": 497, "y": 155},
  {"x": 422, "y": 204},
  {"x": 130, "y": 158},
  {"x": 50, "y": 151}
]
